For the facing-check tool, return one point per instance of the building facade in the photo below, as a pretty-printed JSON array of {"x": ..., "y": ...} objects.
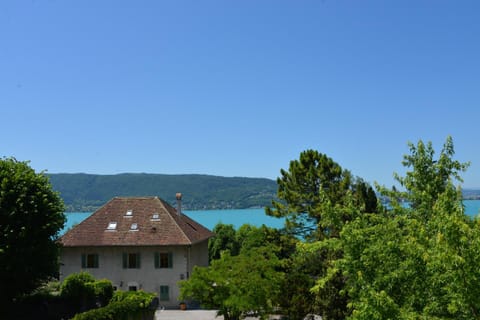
[{"x": 139, "y": 243}]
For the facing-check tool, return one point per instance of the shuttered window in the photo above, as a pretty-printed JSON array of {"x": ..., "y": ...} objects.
[
  {"x": 89, "y": 260},
  {"x": 163, "y": 260},
  {"x": 131, "y": 260}
]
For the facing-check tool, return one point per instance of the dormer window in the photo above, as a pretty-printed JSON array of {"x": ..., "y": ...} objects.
[
  {"x": 112, "y": 226},
  {"x": 128, "y": 214},
  {"x": 155, "y": 217},
  {"x": 134, "y": 227}
]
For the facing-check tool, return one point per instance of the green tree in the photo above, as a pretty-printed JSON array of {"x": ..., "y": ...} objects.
[
  {"x": 300, "y": 271},
  {"x": 31, "y": 216},
  {"x": 235, "y": 285},
  {"x": 248, "y": 237},
  {"x": 452, "y": 261},
  {"x": 317, "y": 197},
  {"x": 224, "y": 239},
  {"x": 313, "y": 194},
  {"x": 427, "y": 178},
  {"x": 417, "y": 261}
]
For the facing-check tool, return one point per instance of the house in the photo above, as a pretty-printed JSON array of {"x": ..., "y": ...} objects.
[{"x": 139, "y": 243}]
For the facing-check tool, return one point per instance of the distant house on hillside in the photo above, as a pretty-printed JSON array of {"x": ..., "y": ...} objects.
[{"x": 137, "y": 243}]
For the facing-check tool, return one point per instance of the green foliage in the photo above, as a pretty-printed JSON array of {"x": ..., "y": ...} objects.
[
  {"x": 103, "y": 291},
  {"x": 82, "y": 292},
  {"x": 318, "y": 198},
  {"x": 382, "y": 263},
  {"x": 300, "y": 271},
  {"x": 412, "y": 262},
  {"x": 314, "y": 193},
  {"x": 125, "y": 305},
  {"x": 224, "y": 239},
  {"x": 295, "y": 296},
  {"x": 44, "y": 302},
  {"x": 248, "y": 237},
  {"x": 87, "y": 192},
  {"x": 238, "y": 284},
  {"x": 31, "y": 216},
  {"x": 452, "y": 262},
  {"x": 78, "y": 290},
  {"x": 428, "y": 177}
]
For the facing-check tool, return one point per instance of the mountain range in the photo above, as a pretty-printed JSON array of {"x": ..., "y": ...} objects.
[{"x": 87, "y": 192}]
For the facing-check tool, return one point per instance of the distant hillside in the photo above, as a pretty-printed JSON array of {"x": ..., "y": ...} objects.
[
  {"x": 87, "y": 192},
  {"x": 471, "y": 194}
]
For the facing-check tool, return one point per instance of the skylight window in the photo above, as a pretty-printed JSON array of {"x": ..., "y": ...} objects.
[
  {"x": 112, "y": 226},
  {"x": 134, "y": 227},
  {"x": 155, "y": 216},
  {"x": 129, "y": 213}
]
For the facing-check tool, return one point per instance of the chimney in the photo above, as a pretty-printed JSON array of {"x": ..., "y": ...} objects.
[{"x": 179, "y": 203}]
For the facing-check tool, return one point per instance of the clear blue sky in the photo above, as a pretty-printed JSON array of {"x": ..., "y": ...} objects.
[{"x": 237, "y": 88}]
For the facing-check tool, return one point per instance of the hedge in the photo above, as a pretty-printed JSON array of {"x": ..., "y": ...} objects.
[{"x": 125, "y": 305}]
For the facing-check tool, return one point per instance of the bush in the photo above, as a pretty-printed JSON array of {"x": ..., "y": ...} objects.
[
  {"x": 42, "y": 304},
  {"x": 78, "y": 290},
  {"x": 82, "y": 292},
  {"x": 103, "y": 291},
  {"x": 75, "y": 285},
  {"x": 125, "y": 305}
]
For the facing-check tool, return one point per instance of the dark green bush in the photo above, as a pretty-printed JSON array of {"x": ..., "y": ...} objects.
[
  {"x": 125, "y": 305},
  {"x": 44, "y": 303},
  {"x": 78, "y": 290},
  {"x": 82, "y": 292},
  {"x": 103, "y": 291}
]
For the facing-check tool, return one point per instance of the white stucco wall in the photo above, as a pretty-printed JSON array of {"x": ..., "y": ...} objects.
[
  {"x": 147, "y": 277},
  {"x": 198, "y": 255}
]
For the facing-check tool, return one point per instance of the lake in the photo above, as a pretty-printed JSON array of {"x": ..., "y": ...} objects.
[
  {"x": 238, "y": 217},
  {"x": 208, "y": 218}
]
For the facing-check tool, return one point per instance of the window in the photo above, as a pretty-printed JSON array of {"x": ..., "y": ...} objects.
[
  {"x": 132, "y": 288},
  {"x": 89, "y": 260},
  {"x": 134, "y": 227},
  {"x": 163, "y": 260},
  {"x": 131, "y": 260},
  {"x": 164, "y": 295},
  {"x": 129, "y": 213},
  {"x": 112, "y": 226},
  {"x": 155, "y": 217}
]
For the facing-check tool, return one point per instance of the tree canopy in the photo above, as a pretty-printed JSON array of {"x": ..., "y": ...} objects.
[
  {"x": 415, "y": 261},
  {"x": 315, "y": 195},
  {"x": 236, "y": 285},
  {"x": 31, "y": 216},
  {"x": 356, "y": 259}
]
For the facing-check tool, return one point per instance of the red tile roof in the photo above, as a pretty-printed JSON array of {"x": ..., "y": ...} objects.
[{"x": 169, "y": 229}]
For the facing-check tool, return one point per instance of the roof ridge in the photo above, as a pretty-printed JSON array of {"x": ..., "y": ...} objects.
[
  {"x": 134, "y": 197},
  {"x": 87, "y": 218},
  {"x": 175, "y": 220}
]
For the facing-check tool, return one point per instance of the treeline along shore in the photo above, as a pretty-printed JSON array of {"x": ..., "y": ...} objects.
[{"x": 87, "y": 192}]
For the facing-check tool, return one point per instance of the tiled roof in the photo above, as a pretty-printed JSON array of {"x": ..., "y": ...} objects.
[{"x": 157, "y": 223}]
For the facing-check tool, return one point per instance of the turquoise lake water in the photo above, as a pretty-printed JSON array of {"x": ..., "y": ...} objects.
[
  {"x": 208, "y": 218},
  {"x": 257, "y": 217}
]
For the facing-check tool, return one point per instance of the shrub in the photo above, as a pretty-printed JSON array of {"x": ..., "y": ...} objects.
[
  {"x": 75, "y": 285},
  {"x": 78, "y": 290},
  {"x": 82, "y": 292},
  {"x": 125, "y": 305},
  {"x": 103, "y": 291}
]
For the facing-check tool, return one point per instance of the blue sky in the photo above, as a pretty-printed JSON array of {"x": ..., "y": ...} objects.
[{"x": 237, "y": 88}]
